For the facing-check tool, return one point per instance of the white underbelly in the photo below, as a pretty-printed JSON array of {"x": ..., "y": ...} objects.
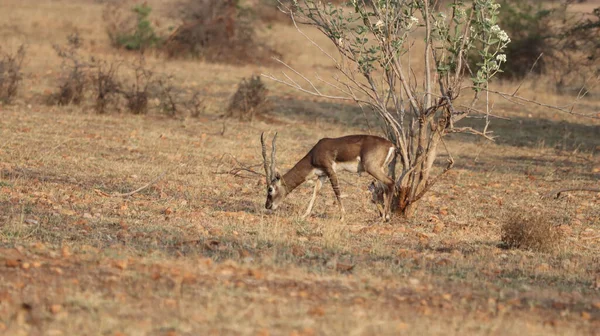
[
  {"x": 355, "y": 166},
  {"x": 351, "y": 166}
]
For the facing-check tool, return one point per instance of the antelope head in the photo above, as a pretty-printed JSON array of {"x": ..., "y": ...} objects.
[{"x": 276, "y": 190}]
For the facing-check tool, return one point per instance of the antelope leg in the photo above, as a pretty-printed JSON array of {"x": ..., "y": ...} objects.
[{"x": 318, "y": 185}]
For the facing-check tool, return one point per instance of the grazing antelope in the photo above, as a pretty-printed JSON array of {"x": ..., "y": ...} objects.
[{"x": 352, "y": 153}]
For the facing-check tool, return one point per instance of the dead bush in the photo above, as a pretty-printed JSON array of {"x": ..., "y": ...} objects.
[
  {"x": 173, "y": 101},
  {"x": 138, "y": 93},
  {"x": 249, "y": 99},
  {"x": 74, "y": 77},
  {"x": 536, "y": 231},
  {"x": 105, "y": 84},
  {"x": 117, "y": 84},
  {"x": 217, "y": 31},
  {"x": 10, "y": 74},
  {"x": 195, "y": 105},
  {"x": 72, "y": 88},
  {"x": 168, "y": 96}
]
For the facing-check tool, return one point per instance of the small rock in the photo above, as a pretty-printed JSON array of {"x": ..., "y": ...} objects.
[
  {"x": 414, "y": 281},
  {"x": 55, "y": 308},
  {"x": 543, "y": 267},
  {"x": 12, "y": 263},
  {"x": 65, "y": 251}
]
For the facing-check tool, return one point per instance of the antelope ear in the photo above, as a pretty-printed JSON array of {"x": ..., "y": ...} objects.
[{"x": 277, "y": 176}]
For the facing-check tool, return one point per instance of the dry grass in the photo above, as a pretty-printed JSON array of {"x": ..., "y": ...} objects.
[
  {"x": 196, "y": 253},
  {"x": 250, "y": 98},
  {"x": 535, "y": 231},
  {"x": 11, "y": 73}
]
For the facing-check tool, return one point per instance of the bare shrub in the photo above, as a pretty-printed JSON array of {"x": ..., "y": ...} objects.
[
  {"x": 167, "y": 96},
  {"x": 195, "y": 105},
  {"x": 138, "y": 93},
  {"x": 10, "y": 74},
  {"x": 72, "y": 88},
  {"x": 118, "y": 84},
  {"x": 217, "y": 31},
  {"x": 173, "y": 101},
  {"x": 249, "y": 99},
  {"x": 105, "y": 84},
  {"x": 530, "y": 231},
  {"x": 74, "y": 78}
]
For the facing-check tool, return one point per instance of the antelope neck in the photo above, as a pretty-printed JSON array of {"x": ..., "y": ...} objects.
[{"x": 297, "y": 175}]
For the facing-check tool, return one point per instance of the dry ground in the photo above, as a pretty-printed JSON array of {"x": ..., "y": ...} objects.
[{"x": 197, "y": 254}]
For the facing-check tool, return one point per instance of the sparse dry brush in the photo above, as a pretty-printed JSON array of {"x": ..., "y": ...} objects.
[
  {"x": 550, "y": 39},
  {"x": 116, "y": 84},
  {"x": 137, "y": 94},
  {"x": 11, "y": 75},
  {"x": 249, "y": 99},
  {"x": 106, "y": 87},
  {"x": 217, "y": 31},
  {"x": 536, "y": 231},
  {"x": 74, "y": 77}
]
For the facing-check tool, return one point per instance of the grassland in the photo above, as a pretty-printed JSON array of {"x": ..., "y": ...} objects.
[{"x": 196, "y": 253}]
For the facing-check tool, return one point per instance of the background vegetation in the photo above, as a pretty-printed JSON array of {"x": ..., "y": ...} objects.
[{"x": 129, "y": 203}]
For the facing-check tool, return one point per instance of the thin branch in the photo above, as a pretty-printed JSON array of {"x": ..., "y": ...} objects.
[
  {"x": 565, "y": 109},
  {"x": 470, "y": 130},
  {"x": 299, "y": 74},
  {"x": 349, "y": 93},
  {"x": 311, "y": 40},
  {"x": 469, "y": 109},
  {"x": 271, "y": 77},
  {"x": 556, "y": 193},
  {"x": 427, "y": 55},
  {"x": 530, "y": 71}
]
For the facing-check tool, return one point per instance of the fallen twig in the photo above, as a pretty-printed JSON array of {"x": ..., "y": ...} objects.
[
  {"x": 559, "y": 191},
  {"x": 574, "y": 241},
  {"x": 235, "y": 171},
  {"x": 163, "y": 174}
]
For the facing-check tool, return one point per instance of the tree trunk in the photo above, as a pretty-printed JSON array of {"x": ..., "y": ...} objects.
[
  {"x": 401, "y": 203},
  {"x": 410, "y": 210}
]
